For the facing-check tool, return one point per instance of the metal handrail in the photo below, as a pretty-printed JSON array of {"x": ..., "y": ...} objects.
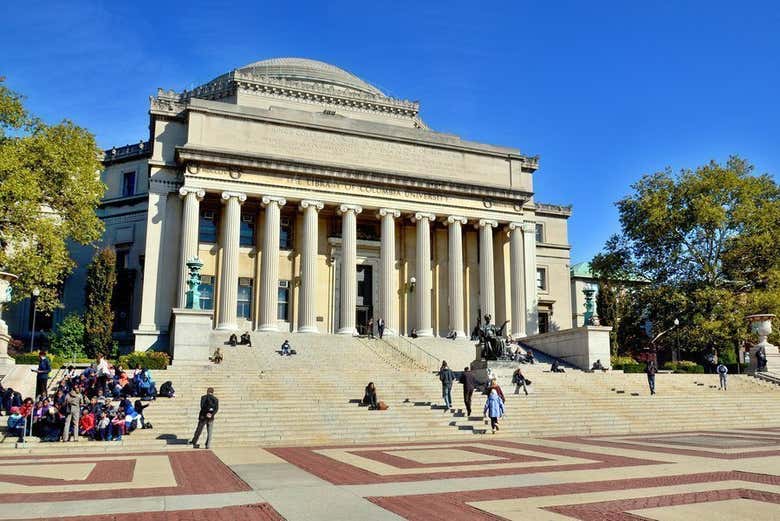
[{"x": 412, "y": 351}]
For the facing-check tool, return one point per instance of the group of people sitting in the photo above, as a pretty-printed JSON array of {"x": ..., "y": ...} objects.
[
  {"x": 518, "y": 353},
  {"x": 94, "y": 403},
  {"x": 245, "y": 340}
]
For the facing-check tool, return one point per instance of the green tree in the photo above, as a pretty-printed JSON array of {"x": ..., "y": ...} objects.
[
  {"x": 706, "y": 242},
  {"x": 99, "y": 317},
  {"x": 49, "y": 190},
  {"x": 67, "y": 341}
]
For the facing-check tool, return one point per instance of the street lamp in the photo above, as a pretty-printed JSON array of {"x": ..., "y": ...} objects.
[
  {"x": 676, "y": 341},
  {"x": 35, "y": 293}
]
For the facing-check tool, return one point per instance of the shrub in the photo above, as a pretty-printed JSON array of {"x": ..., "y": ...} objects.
[
  {"x": 621, "y": 361},
  {"x": 634, "y": 368},
  {"x": 683, "y": 366},
  {"x": 147, "y": 359},
  {"x": 68, "y": 340},
  {"x": 32, "y": 359}
]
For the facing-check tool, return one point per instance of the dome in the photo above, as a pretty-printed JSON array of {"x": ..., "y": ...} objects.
[{"x": 302, "y": 69}]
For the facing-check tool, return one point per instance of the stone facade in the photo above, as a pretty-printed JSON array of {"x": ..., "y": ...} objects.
[{"x": 315, "y": 202}]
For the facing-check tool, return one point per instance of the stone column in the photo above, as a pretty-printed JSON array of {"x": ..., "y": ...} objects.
[
  {"x": 148, "y": 331},
  {"x": 228, "y": 280},
  {"x": 269, "y": 267},
  {"x": 387, "y": 269},
  {"x": 455, "y": 233},
  {"x": 423, "y": 273},
  {"x": 529, "y": 261},
  {"x": 190, "y": 218},
  {"x": 348, "y": 295},
  {"x": 516, "y": 277},
  {"x": 487, "y": 283},
  {"x": 307, "y": 319}
]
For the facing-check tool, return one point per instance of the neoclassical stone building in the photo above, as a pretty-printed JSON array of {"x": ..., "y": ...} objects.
[{"x": 315, "y": 201}]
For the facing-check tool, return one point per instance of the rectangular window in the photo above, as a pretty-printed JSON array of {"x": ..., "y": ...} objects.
[
  {"x": 121, "y": 259},
  {"x": 247, "y": 236},
  {"x": 286, "y": 234},
  {"x": 541, "y": 279},
  {"x": 539, "y": 232},
  {"x": 283, "y": 306},
  {"x": 207, "y": 227},
  {"x": 544, "y": 322},
  {"x": 244, "y": 306},
  {"x": 206, "y": 288},
  {"x": 128, "y": 184}
]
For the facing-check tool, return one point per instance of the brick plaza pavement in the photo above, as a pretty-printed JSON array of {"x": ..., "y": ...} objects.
[{"x": 713, "y": 475}]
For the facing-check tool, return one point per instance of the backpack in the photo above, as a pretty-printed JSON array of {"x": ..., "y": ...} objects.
[{"x": 166, "y": 389}]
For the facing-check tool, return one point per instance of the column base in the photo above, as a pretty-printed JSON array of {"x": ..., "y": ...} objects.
[
  {"x": 425, "y": 332},
  {"x": 308, "y": 329},
  {"x": 268, "y": 328},
  {"x": 148, "y": 337},
  {"x": 227, "y": 327},
  {"x": 349, "y": 330}
]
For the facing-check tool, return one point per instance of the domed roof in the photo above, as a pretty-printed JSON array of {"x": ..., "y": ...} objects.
[{"x": 302, "y": 69}]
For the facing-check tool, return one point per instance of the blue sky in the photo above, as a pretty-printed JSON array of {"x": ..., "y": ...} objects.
[{"x": 603, "y": 91}]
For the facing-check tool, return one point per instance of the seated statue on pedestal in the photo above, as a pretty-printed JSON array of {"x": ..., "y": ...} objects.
[{"x": 491, "y": 338}]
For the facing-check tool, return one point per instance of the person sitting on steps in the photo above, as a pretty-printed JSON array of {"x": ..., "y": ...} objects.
[
  {"x": 286, "y": 351},
  {"x": 217, "y": 356},
  {"x": 597, "y": 366},
  {"x": 233, "y": 340},
  {"x": 246, "y": 340},
  {"x": 369, "y": 397},
  {"x": 556, "y": 367}
]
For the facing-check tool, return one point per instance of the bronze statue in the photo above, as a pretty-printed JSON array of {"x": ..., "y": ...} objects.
[{"x": 491, "y": 338}]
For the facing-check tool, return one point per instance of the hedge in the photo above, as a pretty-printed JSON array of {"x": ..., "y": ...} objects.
[
  {"x": 147, "y": 359},
  {"x": 684, "y": 366},
  {"x": 622, "y": 360},
  {"x": 631, "y": 368},
  {"x": 32, "y": 359}
]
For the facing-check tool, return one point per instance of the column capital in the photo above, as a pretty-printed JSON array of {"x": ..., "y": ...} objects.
[
  {"x": 452, "y": 219},
  {"x": 199, "y": 192},
  {"x": 268, "y": 199},
  {"x": 529, "y": 226},
  {"x": 226, "y": 196},
  {"x": 419, "y": 216},
  {"x": 486, "y": 222},
  {"x": 346, "y": 208},
  {"x": 317, "y": 205},
  {"x": 388, "y": 211},
  {"x": 517, "y": 225}
]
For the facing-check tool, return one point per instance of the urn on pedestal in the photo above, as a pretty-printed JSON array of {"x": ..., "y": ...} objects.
[{"x": 764, "y": 356}]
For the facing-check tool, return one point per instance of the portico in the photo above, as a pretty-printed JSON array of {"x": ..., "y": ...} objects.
[{"x": 313, "y": 220}]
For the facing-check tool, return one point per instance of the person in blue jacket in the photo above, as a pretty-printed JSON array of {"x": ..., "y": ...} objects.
[
  {"x": 42, "y": 378},
  {"x": 494, "y": 408}
]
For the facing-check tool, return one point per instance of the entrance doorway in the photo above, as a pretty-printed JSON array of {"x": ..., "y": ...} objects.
[{"x": 365, "y": 297}]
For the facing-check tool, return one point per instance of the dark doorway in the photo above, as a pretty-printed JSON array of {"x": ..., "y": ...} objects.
[{"x": 365, "y": 298}]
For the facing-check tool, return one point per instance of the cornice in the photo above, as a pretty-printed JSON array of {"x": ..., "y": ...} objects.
[
  {"x": 194, "y": 154},
  {"x": 553, "y": 209}
]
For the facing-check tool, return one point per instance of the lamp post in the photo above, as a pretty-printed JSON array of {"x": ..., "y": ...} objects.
[
  {"x": 676, "y": 341},
  {"x": 35, "y": 293}
]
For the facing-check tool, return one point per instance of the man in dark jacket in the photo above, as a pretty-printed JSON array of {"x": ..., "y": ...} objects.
[
  {"x": 42, "y": 378},
  {"x": 651, "y": 370},
  {"x": 209, "y": 405},
  {"x": 446, "y": 376},
  {"x": 469, "y": 383}
]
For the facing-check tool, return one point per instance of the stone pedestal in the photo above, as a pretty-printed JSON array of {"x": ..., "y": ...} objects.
[
  {"x": 190, "y": 336},
  {"x": 6, "y": 362}
]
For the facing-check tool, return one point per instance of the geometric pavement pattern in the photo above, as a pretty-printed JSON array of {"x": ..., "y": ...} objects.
[{"x": 671, "y": 476}]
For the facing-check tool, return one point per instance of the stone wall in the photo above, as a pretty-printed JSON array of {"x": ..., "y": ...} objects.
[{"x": 579, "y": 347}]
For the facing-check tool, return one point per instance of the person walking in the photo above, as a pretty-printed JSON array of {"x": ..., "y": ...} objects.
[
  {"x": 446, "y": 376},
  {"x": 518, "y": 378},
  {"x": 723, "y": 372},
  {"x": 380, "y": 327},
  {"x": 370, "y": 327},
  {"x": 42, "y": 376},
  {"x": 494, "y": 408},
  {"x": 651, "y": 369},
  {"x": 209, "y": 406},
  {"x": 469, "y": 384}
]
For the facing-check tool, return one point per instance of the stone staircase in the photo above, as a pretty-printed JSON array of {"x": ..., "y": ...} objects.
[{"x": 312, "y": 398}]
